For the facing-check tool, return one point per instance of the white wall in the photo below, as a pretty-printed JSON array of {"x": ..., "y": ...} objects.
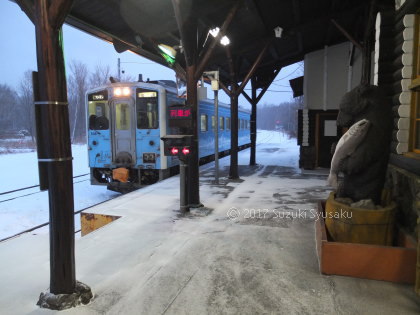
[{"x": 327, "y": 75}]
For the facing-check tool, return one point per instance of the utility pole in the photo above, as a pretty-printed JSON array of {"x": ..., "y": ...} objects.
[{"x": 119, "y": 69}]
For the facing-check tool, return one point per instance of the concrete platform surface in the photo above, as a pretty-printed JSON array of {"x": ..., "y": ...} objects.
[{"x": 251, "y": 250}]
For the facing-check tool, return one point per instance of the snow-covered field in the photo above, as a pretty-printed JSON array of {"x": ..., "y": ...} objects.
[{"x": 21, "y": 170}]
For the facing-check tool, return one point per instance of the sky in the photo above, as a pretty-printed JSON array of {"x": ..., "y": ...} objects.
[{"x": 18, "y": 54}]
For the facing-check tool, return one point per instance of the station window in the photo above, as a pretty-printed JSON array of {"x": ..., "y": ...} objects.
[
  {"x": 122, "y": 112},
  {"x": 147, "y": 109},
  {"x": 204, "y": 123},
  {"x": 227, "y": 123},
  {"x": 415, "y": 97},
  {"x": 213, "y": 123},
  {"x": 222, "y": 123}
]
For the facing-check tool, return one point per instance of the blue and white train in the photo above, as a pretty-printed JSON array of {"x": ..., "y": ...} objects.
[{"x": 125, "y": 123}]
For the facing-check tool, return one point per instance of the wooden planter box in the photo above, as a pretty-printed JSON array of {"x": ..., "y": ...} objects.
[{"x": 388, "y": 263}]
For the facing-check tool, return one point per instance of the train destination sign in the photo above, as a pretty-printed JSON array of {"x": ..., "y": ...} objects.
[
  {"x": 146, "y": 94},
  {"x": 98, "y": 96},
  {"x": 180, "y": 113},
  {"x": 180, "y": 116}
]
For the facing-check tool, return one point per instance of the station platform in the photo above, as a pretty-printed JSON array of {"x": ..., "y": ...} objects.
[{"x": 250, "y": 250}]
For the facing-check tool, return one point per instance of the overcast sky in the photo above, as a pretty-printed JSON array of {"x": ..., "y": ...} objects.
[{"x": 18, "y": 54}]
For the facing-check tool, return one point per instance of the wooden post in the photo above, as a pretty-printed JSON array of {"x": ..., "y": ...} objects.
[
  {"x": 187, "y": 25},
  {"x": 56, "y": 151},
  {"x": 252, "y": 158},
  {"x": 368, "y": 44},
  {"x": 233, "y": 170}
]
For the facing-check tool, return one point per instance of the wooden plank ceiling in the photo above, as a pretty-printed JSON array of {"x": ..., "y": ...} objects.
[{"x": 139, "y": 25}]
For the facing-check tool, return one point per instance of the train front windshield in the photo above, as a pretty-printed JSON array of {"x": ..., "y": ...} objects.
[
  {"x": 98, "y": 111},
  {"x": 147, "y": 109}
]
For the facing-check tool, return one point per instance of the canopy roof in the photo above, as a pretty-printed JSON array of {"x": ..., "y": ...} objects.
[{"x": 139, "y": 25}]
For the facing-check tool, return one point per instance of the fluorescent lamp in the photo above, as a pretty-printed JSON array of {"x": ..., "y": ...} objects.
[{"x": 168, "y": 50}]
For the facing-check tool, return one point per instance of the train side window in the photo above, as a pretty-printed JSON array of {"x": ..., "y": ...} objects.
[
  {"x": 222, "y": 123},
  {"x": 122, "y": 111},
  {"x": 147, "y": 109},
  {"x": 213, "y": 123},
  {"x": 98, "y": 116},
  {"x": 204, "y": 123},
  {"x": 227, "y": 123}
]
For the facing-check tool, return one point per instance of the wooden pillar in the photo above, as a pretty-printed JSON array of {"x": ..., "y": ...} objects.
[
  {"x": 56, "y": 146},
  {"x": 233, "y": 170},
  {"x": 368, "y": 43},
  {"x": 252, "y": 158},
  {"x": 187, "y": 25}
]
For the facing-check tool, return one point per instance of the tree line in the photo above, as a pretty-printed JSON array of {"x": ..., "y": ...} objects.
[
  {"x": 282, "y": 116},
  {"x": 17, "y": 105}
]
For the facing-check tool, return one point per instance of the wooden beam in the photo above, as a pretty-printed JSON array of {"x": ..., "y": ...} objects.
[
  {"x": 247, "y": 97},
  {"x": 58, "y": 11},
  {"x": 224, "y": 88},
  {"x": 205, "y": 59},
  {"x": 276, "y": 72},
  {"x": 347, "y": 35},
  {"x": 254, "y": 67},
  {"x": 28, "y": 8},
  {"x": 187, "y": 27}
]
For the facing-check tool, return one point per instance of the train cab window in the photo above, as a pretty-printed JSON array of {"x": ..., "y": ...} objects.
[
  {"x": 147, "y": 109},
  {"x": 213, "y": 123},
  {"x": 204, "y": 123},
  {"x": 227, "y": 123},
  {"x": 122, "y": 119},
  {"x": 98, "y": 116},
  {"x": 222, "y": 123}
]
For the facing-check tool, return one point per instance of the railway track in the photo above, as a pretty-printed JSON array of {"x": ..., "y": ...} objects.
[
  {"x": 262, "y": 140},
  {"x": 11, "y": 192},
  {"x": 47, "y": 223}
]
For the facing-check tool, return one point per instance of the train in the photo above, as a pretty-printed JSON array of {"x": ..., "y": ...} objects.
[{"x": 125, "y": 124}]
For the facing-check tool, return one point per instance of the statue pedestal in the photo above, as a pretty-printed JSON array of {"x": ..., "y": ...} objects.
[{"x": 376, "y": 262}]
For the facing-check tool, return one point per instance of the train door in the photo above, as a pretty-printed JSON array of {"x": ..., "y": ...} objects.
[{"x": 123, "y": 132}]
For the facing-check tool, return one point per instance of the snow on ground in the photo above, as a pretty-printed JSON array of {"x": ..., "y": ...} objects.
[
  {"x": 221, "y": 259},
  {"x": 21, "y": 170}
]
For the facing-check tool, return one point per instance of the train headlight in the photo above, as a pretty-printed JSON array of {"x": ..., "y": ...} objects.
[
  {"x": 117, "y": 91},
  {"x": 126, "y": 91}
]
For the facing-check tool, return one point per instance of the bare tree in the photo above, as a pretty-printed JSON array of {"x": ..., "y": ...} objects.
[
  {"x": 8, "y": 104},
  {"x": 26, "y": 103},
  {"x": 100, "y": 76},
  {"x": 77, "y": 87}
]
